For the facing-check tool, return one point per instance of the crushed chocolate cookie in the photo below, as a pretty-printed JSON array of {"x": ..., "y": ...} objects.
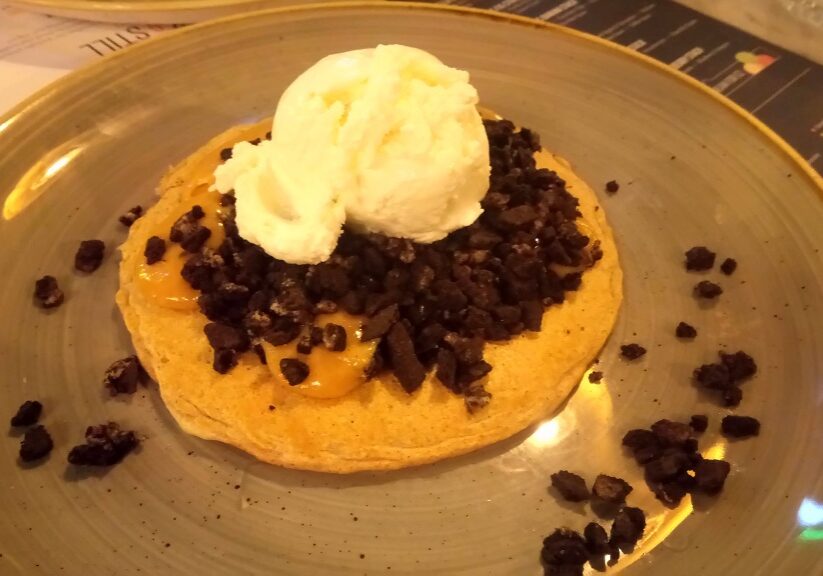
[
  {"x": 627, "y": 528},
  {"x": 708, "y": 290},
  {"x": 36, "y": 444},
  {"x": 571, "y": 486},
  {"x": 740, "y": 426},
  {"x": 225, "y": 154},
  {"x": 106, "y": 445},
  {"x": 564, "y": 547},
  {"x": 612, "y": 186},
  {"x": 260, "y": 353},
  {"x": 728, "y": 266},
  {"x": 489, "y": 281},
  {"x": 700, "y": 258},
  {"x": 294, "y": 371},
  {"x": 131, "y": 216},
  {"x": 222, "y": 335},
  {"x": 684, "y": 330},
  {"x": 188, "y": 232},
  {"x": 27, "y": 414},
  {"x": 155, "y": 250},
  {"x": 741, "y": 366},
  {"x": 595, "y": 377},
  {"x": 632, "y": 351},
  {"x": 671, "y": 433},
  {"x": 699, "y": 423},
  {"x": 710, "y": 475},
  {"x": 644, "y": 444},
  {"x": 610, "y": 489},
  {"x": 597, "y": 540},
  {"x": 89, "y": 255},
  {"x": 334, "y": 337},
  {"x": 47, "y": 292},
  {"x": 123, "y": 376}
]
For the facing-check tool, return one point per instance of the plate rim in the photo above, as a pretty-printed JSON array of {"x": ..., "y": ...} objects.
[{"x": 79, "y": 75}]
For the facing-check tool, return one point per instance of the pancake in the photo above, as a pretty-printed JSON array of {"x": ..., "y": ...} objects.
[{"x": 377, "y": 426}]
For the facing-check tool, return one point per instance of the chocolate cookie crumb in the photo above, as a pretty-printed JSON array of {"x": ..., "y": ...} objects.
[
  {"x": 406, "y": 366},
  {"x": 224, "y": 360},
  {"x": 612, "y": 186},
  {"x": 27, "y": 414},
  {"x": 36, "y": 444},
  {"x": 89, "y": 255},
  {"x": 571, "y": 486},
  {"x": 699, "y": 258},
  {"x": 106, "y": 445},
  {"x": 632, "y": 351},
  {"x": 475, "y": 397},
  {"x": 627, "y": 528},
  {"x": 731, "y": 396},
  {"x": 684, "y": 330},
  {"x": 131, "y": 216},
  {"x": 595, "y": 377},
  {"x": 597, "y": 540},
  {"x": 155, "y": 250},
  {"x": 379, "y": 324},
  {"x": 610, "y": 489},
  {"x": 334, "y": 337},
  {"x": 708, "y": 290},
  {"x": 123, "y": 375},
  {"x": 564, "y": 547},
  {"x": 294, "y": 371},
  {"x": 710, "y": 475},
  {"x": 225, "y": 154},
  {"x": 671, "y": 433},
  {"x": 47, "y": 292},
  {"x": 740, "y": 365},
  {"x": 740, "y": 426},
  {"x": 713, "y": 376},
  {"x": 222, "y": 335},
  {"x": 699, "y": 422},
  {"x": 728, "y": 266}
]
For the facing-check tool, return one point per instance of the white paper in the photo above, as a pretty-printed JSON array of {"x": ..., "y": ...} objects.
[{"x": 36, "y": 49}]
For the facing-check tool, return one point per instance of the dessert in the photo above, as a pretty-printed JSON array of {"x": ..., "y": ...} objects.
[{"x": 382, "y": 300}]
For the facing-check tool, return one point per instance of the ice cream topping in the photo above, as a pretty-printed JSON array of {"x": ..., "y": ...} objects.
[{"x": 385, "y": 140}]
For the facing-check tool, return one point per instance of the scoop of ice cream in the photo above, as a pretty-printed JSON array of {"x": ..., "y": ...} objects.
[{"x": 387, "y": 140}]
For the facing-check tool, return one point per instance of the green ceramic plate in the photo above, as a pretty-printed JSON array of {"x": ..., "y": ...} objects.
[{"x": 694, "y": 169}]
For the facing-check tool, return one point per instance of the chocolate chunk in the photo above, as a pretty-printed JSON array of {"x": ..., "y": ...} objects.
[
  {"x": 612, "y": 186},
  {"x": 684, "y": 330},
  {"x": 571, "y": 486},
  {"x": 628, "y": 527},
  {"x": 532, "y": 314},
  {"x": 47, "y": 292},
  {"x": 224, "y": 360},
  {"x": 667, "y": 466},
  {"x": 740, "y": 426},
  {"x": 36, "y": 444},
  {"x": 405, "y": 364},
  {"x": 27, "y": 414},
  {"x": 610, "y": 489},
  {"x": 699, "y": 258},
  {"x": 728, "y": 266},
  {"x": 379, "y": 324},
  {"x": 131, "y": 216},
  {"x": 710, "y": 475},
  {"x": 707, "y": 290},
  {"x": 597, "y": 540},
  {"x": 731, "y": 396},
  {"x": 632, "y": 351},
  {"x": 643, "y": 443},
  {"x": 671, "y": 433},
  {"x": 740, "y": 365},
  {"x": 123, "y": 376},
  {"x": 155, "y": 250},
  {"x": 294, "y": 371},
  {"x": 475, "y": 397},
  {"x": 106, "y": 445},
  {"x": 89, "y": 255},
  {"x": 699, "y": 423},
  {"x": 334, "y": 337},
  {"x": 714, "y": 376},
  {"x": 222, "y": 335},
  {"x": 670, "y": 492},
  {"x": 564, "y": 547},
  {"x": 595, "y": 377}
]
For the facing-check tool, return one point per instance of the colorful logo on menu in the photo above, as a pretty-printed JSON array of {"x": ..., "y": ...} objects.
[{"x": 754, "y": 63}]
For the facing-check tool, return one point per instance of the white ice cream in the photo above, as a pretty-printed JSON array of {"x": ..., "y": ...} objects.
[{"x": 386, "y": 139}]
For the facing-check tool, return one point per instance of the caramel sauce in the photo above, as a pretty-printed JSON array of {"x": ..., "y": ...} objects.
[{"x": 331, "y": 374}]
